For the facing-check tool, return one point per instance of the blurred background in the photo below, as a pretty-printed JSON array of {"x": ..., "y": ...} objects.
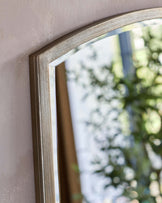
[{"x": 115, "y": 92}]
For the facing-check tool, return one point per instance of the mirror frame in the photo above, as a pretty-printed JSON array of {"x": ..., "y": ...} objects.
[{"x": 40, "y": 94}]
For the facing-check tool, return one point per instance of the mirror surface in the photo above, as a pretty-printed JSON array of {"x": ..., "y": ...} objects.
[{"x": 109, "y": 103}]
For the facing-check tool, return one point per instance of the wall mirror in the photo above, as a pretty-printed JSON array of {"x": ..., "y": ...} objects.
[{"x": 97, "y": 113}]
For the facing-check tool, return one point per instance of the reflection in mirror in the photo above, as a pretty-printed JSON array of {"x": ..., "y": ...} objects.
[{"x": 109, "y": 103}]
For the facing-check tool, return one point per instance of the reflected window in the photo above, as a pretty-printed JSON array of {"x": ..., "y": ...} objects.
[{"x": 109, "y": 99}]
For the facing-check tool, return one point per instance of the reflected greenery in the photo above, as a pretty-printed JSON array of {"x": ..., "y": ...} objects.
[{"x": 130, "y": 157}]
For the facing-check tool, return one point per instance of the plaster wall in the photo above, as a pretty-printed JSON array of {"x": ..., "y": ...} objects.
[{"x": 25, "y": 26}]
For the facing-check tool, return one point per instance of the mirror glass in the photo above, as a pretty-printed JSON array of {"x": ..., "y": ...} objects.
[{"x": 111, "y": 109}]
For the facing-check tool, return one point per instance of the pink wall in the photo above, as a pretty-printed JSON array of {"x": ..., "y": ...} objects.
[{"x": 25, "y": 26}]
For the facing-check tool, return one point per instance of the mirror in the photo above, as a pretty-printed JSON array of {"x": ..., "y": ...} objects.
[{"x": 107, "y": 95}]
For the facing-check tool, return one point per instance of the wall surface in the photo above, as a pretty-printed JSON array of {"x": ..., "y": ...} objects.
[{"x": 25, "y": 26}]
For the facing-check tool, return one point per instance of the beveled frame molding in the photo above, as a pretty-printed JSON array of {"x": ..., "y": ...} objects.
[{"x": 40, "y": 96}]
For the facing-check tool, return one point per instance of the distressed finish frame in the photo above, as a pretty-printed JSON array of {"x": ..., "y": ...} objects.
[{"x": 40, "y": 95}]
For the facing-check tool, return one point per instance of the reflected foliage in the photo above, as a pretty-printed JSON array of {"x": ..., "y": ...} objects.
[{"x": 126, "y": 121}]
